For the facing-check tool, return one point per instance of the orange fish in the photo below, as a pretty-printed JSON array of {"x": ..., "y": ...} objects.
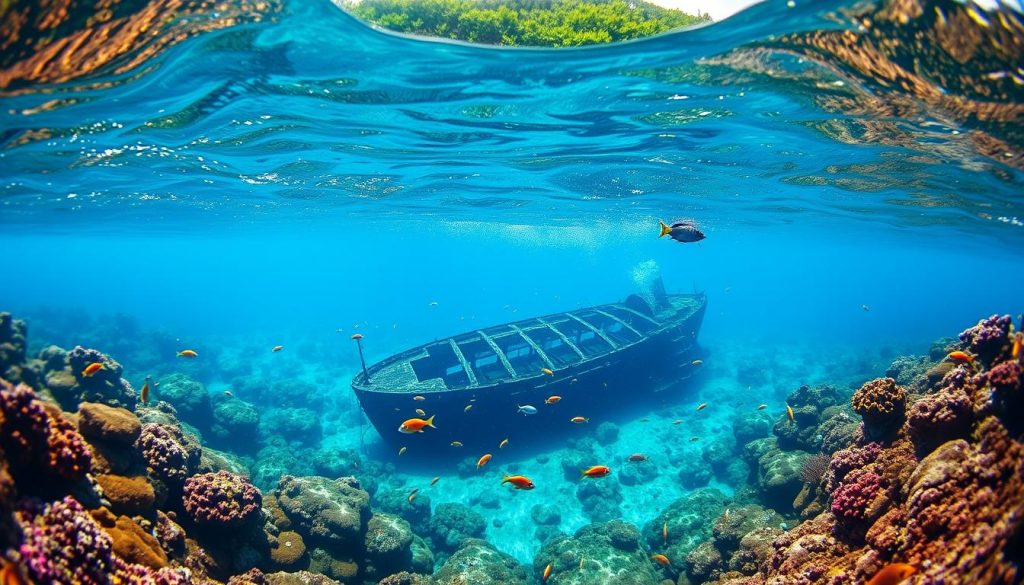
[
  {"x": 762, "y": 406},
  {"x": 596, "y": 471},
  {"x": 144, "y": 393},
  {"x": 547, "y": 372},
  {"x": 92, "y": 369},
  {"x": 1018, "y": 340},
  {"x": 483, "y": 460},
  {"x": 702, "y": 406},
  {"x": 435, "y": 480},
  {"x": 502, "y": 444},
  {"x": 13, "y": 574},
  {"x": 416, "y": 425},
  {"x": 664, "y": 532},
  {"x": 277, "y": 348},
  {"x": 636, "y": 457},
  {"x": 187, "y": 353},
  {"x": 892, "y": 574},
  {"x": 660, "y": 559},
  {"x": 554, "y": 399},
  {"x": 547, "y": 573},
  {"x": 419, "y": 398},
  {"x": 789, "y": 413},
  {"x": 960, "y": 356},
  {"x": 579, "y": 420},
  {"x": 520, "y": 482},
  {"x": 357, "y": 336}
]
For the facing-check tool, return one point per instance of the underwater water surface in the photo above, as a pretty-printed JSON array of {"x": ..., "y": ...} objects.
[{"x": 278, "y": 173}]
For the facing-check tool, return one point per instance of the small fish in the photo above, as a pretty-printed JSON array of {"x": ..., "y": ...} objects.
[
  {"x": 414, "y": 491},
  {"x": 596, "y": 471},
  {"x": 694, "y": 439},
  {"x": 682, "y": 230},
  {"x": 277, "y": 348},
  {"x": 144, "y": 393},
  {"x": 645, "y": 419},
  {"x": 502, "y": 444},
  {"x": 433, "y": 303},
  {"x": 228, "y": 394},
  {"x": 664, "y": 532},
  {"x": 579, "y": 420},
  {"x": 468, "y": 408},
  {"x": 483, "y": 460},
  {"x": 637, "y": 457},
  {"x": 91, "y": 369},
  {"x": 678, "y": 421},
  {"x": 762, "y": 406},
  {"x": 726, "y": 515},
  {"x": 526, "y": 409},
  {"x": 1018, "y": 341},
  {"x": 702, "y": 406},
  {"x": 696, "y": 362},
  {"x": 419, "y": 398},
  {"x": 660, "y": 559},
  {"x": 581, "y": 562},
  {"x": 421, "y": 412},
  {"x": 435, "y": 480},
  {"x": 547, "y": 573},
  {"x": 554, "y": 399},
  {"x": 187, "y": 353},
  {"x": 357, "y": 336},
  {"x": 547, "y": 372},
  {"x": 960, "y": 356},
  {"x": 866, "y": 308},
  {"x": 520, "y": 482},
  {"x": 789, "y": 413},
  {"x": 892, "y": 574},
  {"x": 412, "y": 497},
  {"x": 402, "y": 451},
  {"x": 416, "y": 425},
  {"x": 573, "y": 381},
  {"x": 456, "y": 443}
]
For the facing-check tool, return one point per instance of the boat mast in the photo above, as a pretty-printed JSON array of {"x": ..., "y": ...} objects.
[{"x": 359, "y": 343}]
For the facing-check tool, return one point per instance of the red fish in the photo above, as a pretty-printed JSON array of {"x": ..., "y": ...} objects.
[
  {"x": 596, "y": 471},
  {"x": 892, "y": 574},
  {"x": 92, "y": 369},
  {"x": 520, "y": 482},
  {"x": 660, "y": 559},
  {"x": 483, "y": 460},
  {"x": 552, "y": 399}
]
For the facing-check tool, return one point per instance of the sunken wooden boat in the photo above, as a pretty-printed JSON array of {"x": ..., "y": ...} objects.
[{"x": 602, "y": 361}]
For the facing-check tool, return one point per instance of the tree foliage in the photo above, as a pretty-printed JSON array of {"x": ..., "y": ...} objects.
[{"x": 538, "y": 23}]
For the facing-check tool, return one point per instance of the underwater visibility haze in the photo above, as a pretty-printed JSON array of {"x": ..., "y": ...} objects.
[{"x": 222, "y": 204}]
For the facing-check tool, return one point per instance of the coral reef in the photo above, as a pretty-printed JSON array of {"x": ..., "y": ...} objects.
[
  {"x": 170, "y": 454},
  {"x": 478, "y": 562},
  {"x": 880, "y": 403},
  {"x": 190, "y": 400},
  {"x": 105, "y": 386},
  {"x": 329, "y": 513},
  {"x": 610, "y": 554},
  {"x": 452, "y": 525},
  {"x": 221, "y": 499}
]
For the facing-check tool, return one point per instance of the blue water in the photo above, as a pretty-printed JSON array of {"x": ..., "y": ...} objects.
[{"x": 304, "y": 178}]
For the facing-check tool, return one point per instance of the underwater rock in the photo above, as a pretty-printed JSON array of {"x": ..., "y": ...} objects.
[
  {"x": 637, "y": 472},
  {"x": 213, "y": 460},
  {"x": 837, "y": 431},
  {"x": 704, "y": 563},
  {"x": 731, "y": 526},
  {"x": 288, "y": 551},
  {"x": 610, "y": 552},
  {"x": 779, "y": 476},
  {"x": 277, "y": 459},
  {"x": 13, "y": 346},
  {"x": 600, "y": 498},
  {"x": 127, "y": 495},
  {"x": 388, "y": 546},
  {"x": 396, "y": 501},
  {"x": 340, "y": 463},
  {"x": 130, "y": 541},
  {"x": 906, "y": 369},
  {"x": 189, "y": 398},
  {"x": 221, "y": 500},
  {"x": 331, "y": 513},
  {"x": 606, "y": 433},
  {"x": 422, "y": 557},
  {"x": 342, "y": 568},
  {"x": 299, "y": 578},
  {"x": 296, "y": 425},
  {"x": 545, "y": 514},
  {"x": 479, "y": 563},
  {"x": 943, "y": 415},
  {"x": 689, "y": 520},
  {"x": 235, "y": 424},
  {"x": 755, "y": 548},
  {"x": 694, "y": 472},
  {"x": 719, "y": 455},
  {"x": 105, "y": 386},
  {"x": 99, "y": 422},
  {"x": 453, "y": 524},
  {"x": 880, "y": 403},
  {"x": 751, "y": 426}
]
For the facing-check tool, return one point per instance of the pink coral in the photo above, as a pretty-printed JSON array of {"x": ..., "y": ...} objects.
[
  {"x": 854, "y": 498},
  {"x": 39, "y": 436},
  {"x": 846, "y": 460},
  {"x": 1006, "y": 377},
  {"x": 70, "y": 457},
  {"x": 221, "y": 498},
  {"x": 166, "y": 456}
]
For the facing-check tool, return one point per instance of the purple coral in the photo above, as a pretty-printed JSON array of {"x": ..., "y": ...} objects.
[
  {"x": 846, "y": 460},
  {"x": 63, "y": 544},
  {"x": 947, "y": 414},
  {"x": 34, "y": 435},
  {"x": 880, "y": 403},
  {"x": 70, "y": 457},
  {"x": 852, "y": 500},
  {"x": 1006, "y": 377},
  {"x": 988, "y": 338},
  {"x": 166, "y": 458},
  {"x": 221, "y": 498}
]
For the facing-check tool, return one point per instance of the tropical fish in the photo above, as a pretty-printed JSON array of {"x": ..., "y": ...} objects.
[
  {"x": 144, "y": 393},
  {"x": 456, "y": 443},
  {"x": 696, "y": 362},
  {"x": 892, "y": 574},
  {"x": 526, "y": 409},
  {"x": 547, "y": 372},
  {"x": 421, "y": 412},
  {"x": 414, "y": 491},
  {"x": 402, "y": 451},
  {"x": 357, "y": 336},
  {"x": 581, "y": 562},
  {"x": 468, "y": 408},
  {"x": 573, "y": 381},
  {"x": 92, "y": 369},
  {"x": 419, "y": 398},
  {"x": 579, "y": 420},
  {"x": 412, "y": 497},
  {"x": 660, "y": 559},
  {"x": 483, "y": 460},
  {"x": 435, "y": 480},
  {"x": 520, "y": 482},
  {"x": 702, "y": 406},
  {"x": 277, "y": 348},
  {"x": 228, "y": 394},
  {"x": 637, "y": 457},
  {"x": 694, "y": 439},
  {"x": 416, "y": 425},
  {"x": 762, "y": 406},
  {"x": 547, "y": 573},
  {"x": 664, "y": 532},
  {"x": 1018, "y": 340},
  {"x": 502, "y": 444},
  {"x": 960, "y": 356},
  {"x": 187, "y": 353},
  {"x": 596, "y": 471},
  {"x": 678, "y": 421},
  {"x": 554, "y": 399},
  {"x": 789, "y": 413},
  {"x": 682, "y": 230}
]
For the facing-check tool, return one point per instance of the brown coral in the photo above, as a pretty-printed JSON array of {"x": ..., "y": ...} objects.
[
  {"x": 880, "y": 403},
  {"x": 131, "y": 542},
  {"x": 288, "y": 550},
  {"x": 99, "y": 422},
  {"x": 127, "y": 495}
]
